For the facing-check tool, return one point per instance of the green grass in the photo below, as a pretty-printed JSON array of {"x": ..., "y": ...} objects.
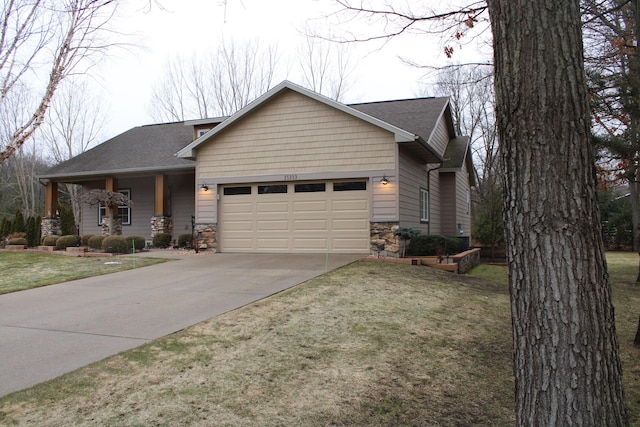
[
  {"x": 23, "y": 270},
  {"x": 367, "y": 344}
]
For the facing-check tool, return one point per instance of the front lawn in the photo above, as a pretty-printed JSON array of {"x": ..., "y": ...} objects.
[
  {"x": 24, "y": 270},
  {"x": 368, "y": 344}
]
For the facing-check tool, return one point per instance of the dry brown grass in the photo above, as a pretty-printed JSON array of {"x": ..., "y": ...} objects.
[{"x": 368, "y": 344}]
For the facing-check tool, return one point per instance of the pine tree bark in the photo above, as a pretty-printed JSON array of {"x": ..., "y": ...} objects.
[{"x": 566, "y": 362}]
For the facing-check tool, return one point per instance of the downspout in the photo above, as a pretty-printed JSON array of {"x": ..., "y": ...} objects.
[{"x": 429, "y": 194}]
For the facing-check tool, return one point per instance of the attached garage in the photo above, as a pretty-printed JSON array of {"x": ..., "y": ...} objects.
[{"x": 295, "y": 217}]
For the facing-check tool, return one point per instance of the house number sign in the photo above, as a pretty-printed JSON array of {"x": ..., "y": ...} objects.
[{"x": 290, "y": 177}]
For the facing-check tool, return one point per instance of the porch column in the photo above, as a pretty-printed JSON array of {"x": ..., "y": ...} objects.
[
  {"x": 161, "y": 221},
  {"x": 51, "y": 200},
  {"x": 50, "y": 223},
  {"x": 111, "y": 184}
]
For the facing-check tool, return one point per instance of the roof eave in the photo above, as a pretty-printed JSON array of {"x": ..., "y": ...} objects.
[{"x": 108, "y": 172}]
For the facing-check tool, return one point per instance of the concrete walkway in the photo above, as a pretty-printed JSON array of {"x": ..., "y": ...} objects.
[{"x": 49, "y": 331}]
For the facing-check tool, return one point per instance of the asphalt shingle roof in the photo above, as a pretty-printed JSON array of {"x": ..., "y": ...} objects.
[
  {"x": 456, "y": 153},
  {"x": 418, "y": 116},
  {"x": 150, "y": 147}
]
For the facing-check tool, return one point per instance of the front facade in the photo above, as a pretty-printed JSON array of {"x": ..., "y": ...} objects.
[{"x": 297, "y": 172}]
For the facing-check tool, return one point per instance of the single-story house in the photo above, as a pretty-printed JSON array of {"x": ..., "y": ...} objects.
[{"x": 293, "y": 171}]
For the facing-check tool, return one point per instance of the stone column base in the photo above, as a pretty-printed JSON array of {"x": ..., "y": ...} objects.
[
  {"x": 117, "y": 226},
  {"x": 161, "y": 224},
  {"x": 207, "y": 236},
  {"x": 50, "y": 227},
  {"x": 383, "y": 241}
]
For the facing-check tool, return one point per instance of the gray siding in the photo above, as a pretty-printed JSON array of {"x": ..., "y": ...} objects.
[
  {"x": 448, "y": 206},
  {"x": 142, "y": 208},
  {"x": 413, "y": 176}
]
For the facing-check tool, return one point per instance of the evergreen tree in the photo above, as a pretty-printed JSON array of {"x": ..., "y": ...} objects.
[
  {"x": 19, "y": 224},
  {"x": 67, "y": 220}
]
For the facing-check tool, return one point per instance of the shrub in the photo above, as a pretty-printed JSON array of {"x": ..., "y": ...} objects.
[
  {"x": 84, "y": 240},
  {"x": 18, "y": 235},
  {"x": 162, "y": 240},
  {"x": 67, "y": 241},
  {"x": 115, "y": 245},
  {"x": 33, "y": 230},
  {"x": 431, "y": 245},
  {"x": 95, "y": 242},
  {"x": 137, "y": 242},
  {"x": 18, "y": 241},
  {"x": 185, "y": 240},
  {"x": 50, "y": 240}
]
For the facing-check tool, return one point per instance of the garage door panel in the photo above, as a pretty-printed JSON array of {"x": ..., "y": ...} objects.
[
  {"x": 273, "y": 225},
  {"x": 238, "y": 244},
  {"x": 238, "y": 225},
  {"x": 272, "y": 244},
  {"x": 272, "y": 207},
  {"x": 317, "y": 206},
  {"x": 350, "y": 206},
  {"x": 295, "y": 221},
  {"x": 318, "y": 244},
  {"x": 310, "y": 225},
  {"x": 238, "y": 207}
]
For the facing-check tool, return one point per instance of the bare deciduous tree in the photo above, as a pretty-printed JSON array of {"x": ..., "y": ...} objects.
[
  {"x": 214, "y": 83},
  {"x": 325, "y": 66},
  {"x": 75, "y": 121},
  {"x": 50, "y": 38}
]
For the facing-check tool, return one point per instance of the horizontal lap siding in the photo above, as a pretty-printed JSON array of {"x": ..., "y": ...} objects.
[
  {"x": 295, "y": 134},
  {"x": 462, "y": 213},
  {"x": 413, "y": 176},
  {"x": 449, "y": 209},
  {"x": 183, "y": 203}
]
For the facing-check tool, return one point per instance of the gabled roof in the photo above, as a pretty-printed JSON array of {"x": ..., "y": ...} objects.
[
  {"x": 141, "y": 149},
  {"x": 401, "y": 135},
  {"x": 457, "y": 155},
  {"x": 418, "y": 116}
]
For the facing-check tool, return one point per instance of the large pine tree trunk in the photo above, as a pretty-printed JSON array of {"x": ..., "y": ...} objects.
[{"x": 566, "y": 362}]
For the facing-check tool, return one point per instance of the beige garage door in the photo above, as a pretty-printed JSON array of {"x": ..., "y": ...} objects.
[{"x": 295, "y": 217}]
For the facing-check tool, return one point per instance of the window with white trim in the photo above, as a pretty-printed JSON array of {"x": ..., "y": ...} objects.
[
  {"x": 424, "y": 205},
  {"x": 124, "y": 212}
]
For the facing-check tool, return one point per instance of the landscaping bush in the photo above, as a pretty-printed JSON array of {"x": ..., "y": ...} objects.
[
  {"x": 137, "y": 242},
  {"x": 95, "y": 242},
  {"x": 162, "y": 240},
  {"x": 84, "y": 240},
  {"x": 430, "y": 245},
  {"x": 18, "y": 241},
  {"x": 185, "y": 240},
  {"x": 69, "y": 240},
  {"x": 50, "y": 240},
  {"x": 18, "y": 235},
  {"x": 115, "y": 245}
]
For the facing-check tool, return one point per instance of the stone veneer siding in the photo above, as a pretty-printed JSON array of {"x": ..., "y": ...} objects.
[
  {"x": 117, "y": 226},
  {"x": 50, "y": 227},
  {"x": 161, "y": 224},
  {"x": 207, "y": 235},
  {"x": 383, "y": 241}
]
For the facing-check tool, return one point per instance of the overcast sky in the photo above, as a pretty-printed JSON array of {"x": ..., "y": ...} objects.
[{"x": 187, "y": 26}]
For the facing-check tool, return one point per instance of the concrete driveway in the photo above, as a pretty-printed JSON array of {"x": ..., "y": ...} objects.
[{"x": 49, "y": 331}]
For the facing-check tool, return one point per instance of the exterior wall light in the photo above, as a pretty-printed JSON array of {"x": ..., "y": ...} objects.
[
  {"x": 384, "y": 180},
  {"x": 204, "y": 187}
]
